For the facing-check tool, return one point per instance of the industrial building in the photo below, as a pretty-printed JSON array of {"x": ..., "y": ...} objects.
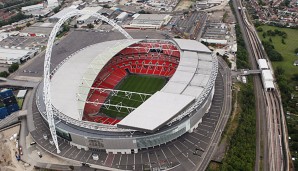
[
  {"x": 62, "y": 13},
  {"x": 32, "y": 8},
  {"x": 10, "y": 56},
  {"x": 122, "y": 16},
  {"x": 52, "y": 3},
  {"x": 215, "y": 33},
  {"x": 149, "y": 21},
  {"x": 86, "y": 19}
]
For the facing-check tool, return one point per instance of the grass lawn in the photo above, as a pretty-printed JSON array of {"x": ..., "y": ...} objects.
[
  {"x": 135, "y": 83},
  {"x": 286, "y": 50},
  {"x": 20, "y": 103}
]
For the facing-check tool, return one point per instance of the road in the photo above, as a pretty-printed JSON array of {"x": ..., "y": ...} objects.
[
  {"x": 270, "y": 119},
  {"x": 227, "y": 106}
]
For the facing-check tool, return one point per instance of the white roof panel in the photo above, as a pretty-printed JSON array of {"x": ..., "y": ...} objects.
[
  {"x": 189, "y": 54},
  {"x": 193, "y": 91},
  {"x": 263, "y": 64},
  {"x": 182, "y": 77},
  {"x": 205, "y": 57},
  {"x": 157, "y": 110},
  {"x": 21, "y": 93},
  {"x": 186, "y": 68},
  {"x": 63, "y": 12},
  {"x": 266, "y": 74},
  {"x": 200, "y": 80},
  {"x": 173, "y": 87},
  {"x": 13, "y": 53},
  {"x": 205, "y": 65},
  {"x": 269, "y": 84},
  {"x": 191, "y": 45},
  {"x": 67, "y": 83}
]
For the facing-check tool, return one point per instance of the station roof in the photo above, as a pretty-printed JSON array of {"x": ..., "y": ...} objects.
[
  {"x": 263, "y": 64},
  {"x": 267, "y": 75}
]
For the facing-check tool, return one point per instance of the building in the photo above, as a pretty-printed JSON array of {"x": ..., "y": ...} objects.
[
  {"x": 149, "y": 21},
  {"x": 52, "y": 3},
  {"x": 30, "y": 8},
  {"x": 122, "y": 16},
  {"x": 10, "y": 56},
  {"x": 62, "y": 13},
  {"x": 86, "y": 19},
  {"x": 215, "y": 33},
  {"x": 296, "y": 63},
  {"x": 174, "y": 110}
]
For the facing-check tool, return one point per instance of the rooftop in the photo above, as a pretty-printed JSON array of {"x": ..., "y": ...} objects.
[{"x": 71, "y": 83}]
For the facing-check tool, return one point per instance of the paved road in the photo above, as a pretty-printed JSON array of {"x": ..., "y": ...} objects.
[
  {"x": 18, "y": 83},
  {"x": 225, "y": 113}
]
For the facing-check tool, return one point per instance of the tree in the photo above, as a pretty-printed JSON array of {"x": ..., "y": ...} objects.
[
  {"x": 13, "y": 67},
  {"x": 283, "y": 41},
  {"x": 56, "y": 10},
  {"x": 106, "y": 6},
  {"x": 279, "y": 71},
  {"x": 4, "y": 74},
  {"x": 259, "y": 29},
  {"x": 28, "y": 24},
  {"x": 295, "y": 77},
  {"x": 65, "y": 27},
  {"x": 90, "y": 26},
  {"x": 296, "y": 50}
]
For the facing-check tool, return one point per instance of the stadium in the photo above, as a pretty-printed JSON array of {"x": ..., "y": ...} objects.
[
  {"x": 125, "y": 95},
  {"x": 131, "y": 94}
]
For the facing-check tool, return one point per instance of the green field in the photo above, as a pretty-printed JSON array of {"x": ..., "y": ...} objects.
[
  {"x": 286, "y": 50},
  {"x": 134, "y": 83}
]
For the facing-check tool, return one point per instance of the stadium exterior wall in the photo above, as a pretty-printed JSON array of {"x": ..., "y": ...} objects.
[{"x": 130, "y": 143}]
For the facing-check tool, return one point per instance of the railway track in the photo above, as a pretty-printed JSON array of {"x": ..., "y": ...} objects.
[{"x": 277, "y": 154}]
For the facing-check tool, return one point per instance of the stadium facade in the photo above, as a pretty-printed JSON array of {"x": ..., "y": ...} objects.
[{"x": 167, "y": 114}]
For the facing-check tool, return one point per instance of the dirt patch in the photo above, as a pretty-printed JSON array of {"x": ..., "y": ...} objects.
[
  {"x": 8, "y": 151},
  {"x": 183, "y": 5}
]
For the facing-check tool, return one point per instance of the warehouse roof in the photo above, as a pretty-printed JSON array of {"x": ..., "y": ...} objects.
[
  {"x": 63, "y": 12},
  {"x": 13, "y": 53}
]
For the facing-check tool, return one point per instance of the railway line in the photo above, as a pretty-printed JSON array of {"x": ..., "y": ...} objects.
[{"x": 276, "y": 151}]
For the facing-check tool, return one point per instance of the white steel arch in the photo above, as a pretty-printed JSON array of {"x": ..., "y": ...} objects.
[{"x": 47, "y": 63}]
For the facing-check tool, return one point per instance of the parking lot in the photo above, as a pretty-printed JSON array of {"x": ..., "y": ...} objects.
[
  {"x": 23, "y": 42},
  {"x": 76, "y": 40}
]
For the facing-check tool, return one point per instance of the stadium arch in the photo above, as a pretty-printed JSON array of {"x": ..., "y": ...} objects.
[{"x": 47, "y": 63}]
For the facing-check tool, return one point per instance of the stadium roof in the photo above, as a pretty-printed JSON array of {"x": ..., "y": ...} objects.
[
  {"x": 72, "y": 81},
  {"x": 156, "y": 111}
]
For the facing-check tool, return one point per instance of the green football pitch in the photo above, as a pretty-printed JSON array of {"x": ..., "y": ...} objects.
[{"x": 133, "y": 83}]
